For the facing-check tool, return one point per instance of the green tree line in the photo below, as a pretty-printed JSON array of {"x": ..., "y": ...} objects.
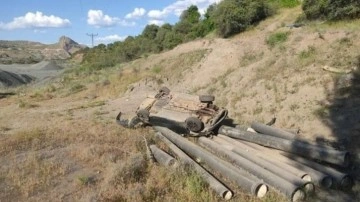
[{"x": 227, "y": 18}]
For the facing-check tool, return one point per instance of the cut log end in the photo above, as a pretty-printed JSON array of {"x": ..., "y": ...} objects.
[
  {"x": 251, "y": 130},
  {"x": 172, "y": 162},
  {"x": 227, "y": 195},
  {"x": 326, "y": 182},
  {"x": 261, "y": 190},
  {"x": 306, "y": 178},
  {"x": 298, "y": 195},
  {"x": 346, "y": 183},
  {"x": 309, "y": 188}
]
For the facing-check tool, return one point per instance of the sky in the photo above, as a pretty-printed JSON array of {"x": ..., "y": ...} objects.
[{"x": 46, "y": 21}]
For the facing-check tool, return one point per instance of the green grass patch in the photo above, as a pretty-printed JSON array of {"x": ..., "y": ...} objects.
[
  {"x": 156, "y": 69},
  {"x": 286, "y": 3},
  {"x": 85, "y": 180},
  {"x": 309, "y": 52},
  {"x": 277, "y": 38}
]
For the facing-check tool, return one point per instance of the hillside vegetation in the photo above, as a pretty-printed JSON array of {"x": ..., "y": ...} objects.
[
  {"x": 331, "y": 9},
  {"x": 60, "y": 141},
  {"x": 227, "y": 18}
]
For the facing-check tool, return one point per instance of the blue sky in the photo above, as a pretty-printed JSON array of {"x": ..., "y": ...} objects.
[{"x": 112, "y": 20}]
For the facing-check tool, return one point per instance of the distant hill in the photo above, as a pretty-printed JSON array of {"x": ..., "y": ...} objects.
[{"x": 29, "y": 52}]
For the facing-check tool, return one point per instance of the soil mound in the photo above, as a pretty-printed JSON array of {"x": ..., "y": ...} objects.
[{"x": 8, "y": 79}]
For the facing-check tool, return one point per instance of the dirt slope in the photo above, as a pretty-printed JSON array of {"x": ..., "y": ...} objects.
[
  {"x": 257, "y": 82},
  {"x": 15, "y": 75},
  {"x": 59, "y": 142}
]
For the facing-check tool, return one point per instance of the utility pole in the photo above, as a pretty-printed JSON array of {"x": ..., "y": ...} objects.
[{"x": 92, "y": 38}]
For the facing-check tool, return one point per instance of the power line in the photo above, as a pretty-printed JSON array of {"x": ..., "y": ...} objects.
[{"x": 92, "y": 38}]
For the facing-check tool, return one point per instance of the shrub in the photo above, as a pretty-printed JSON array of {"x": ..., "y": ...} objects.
[
  {"x": 234, "y": 16},
  {"x": 315, "y": 9},
  {"x": 331, "y": 9}
]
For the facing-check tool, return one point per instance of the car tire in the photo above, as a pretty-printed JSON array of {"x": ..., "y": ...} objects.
[
  {"x": 144, "y": 115},
  {"x": 206, "y": 98},
  {"x": 194, "y": 124}
]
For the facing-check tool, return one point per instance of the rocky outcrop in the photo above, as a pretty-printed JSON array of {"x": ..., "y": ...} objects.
[
  {"x": 69, "y": 45},
  {"x": 27, "y": 52}
]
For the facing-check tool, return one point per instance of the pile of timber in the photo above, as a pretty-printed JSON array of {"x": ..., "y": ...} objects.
[{"x": 256, "y": 159}]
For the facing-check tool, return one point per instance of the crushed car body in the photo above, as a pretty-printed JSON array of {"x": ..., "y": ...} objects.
[{"x": 185, "y": 113}]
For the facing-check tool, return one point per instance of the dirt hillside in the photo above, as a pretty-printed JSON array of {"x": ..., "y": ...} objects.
[{"x": 59, "y": 141}]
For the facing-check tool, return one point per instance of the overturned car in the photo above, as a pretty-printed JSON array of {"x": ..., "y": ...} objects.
[{"x": 184, "y": 113}]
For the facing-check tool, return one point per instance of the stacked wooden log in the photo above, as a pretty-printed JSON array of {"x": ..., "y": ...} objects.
[{"x": 266, "y": 158}]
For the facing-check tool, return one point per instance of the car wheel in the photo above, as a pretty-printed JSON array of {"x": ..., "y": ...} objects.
[
  {"x": 144, "y": 115},
  {"x": 194, "y": 124},
  {"x": 206, "y": 98}
]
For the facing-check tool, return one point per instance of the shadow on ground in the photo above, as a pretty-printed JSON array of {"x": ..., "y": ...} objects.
[{"x": 343, "y": 114}]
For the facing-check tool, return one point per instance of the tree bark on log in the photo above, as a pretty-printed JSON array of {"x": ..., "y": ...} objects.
[
  {"x": 319, "y": 178},
  {"x": 222, "y": 139},
  {"x": 292, "y": 190},
  {"x": 249, "y": 183},
  {"x": 333, "y": 156},
  {"x": 162, "y": 157},
  {"x": 341, "y": 180},
  {"x": 269, "y": 130},
  {"x": 214, "y": 183}
]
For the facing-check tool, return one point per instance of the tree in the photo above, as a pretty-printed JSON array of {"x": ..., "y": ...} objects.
[
  {"x": 208, "y": 24},
  {"x": 234, "y": 16},
  {"x": 150, "y": 31},
  {"x": 160, "y": 35},
  {"x": 190, "y": 15},
  {"x": 183, "y": 27},
  {"x": 171, "y": 40}
]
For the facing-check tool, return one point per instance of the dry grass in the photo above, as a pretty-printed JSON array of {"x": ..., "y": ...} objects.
[
  {"x": 78, "y": 153},
  {"x": 42, "y": 158},
  {"x": 34, "y": 174},
  {"x": 26, "y": 104},
  {"x": 93, "y": 157},
  {"x": 250, "y": 57},
  {"x": 176, "y": 67}
]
